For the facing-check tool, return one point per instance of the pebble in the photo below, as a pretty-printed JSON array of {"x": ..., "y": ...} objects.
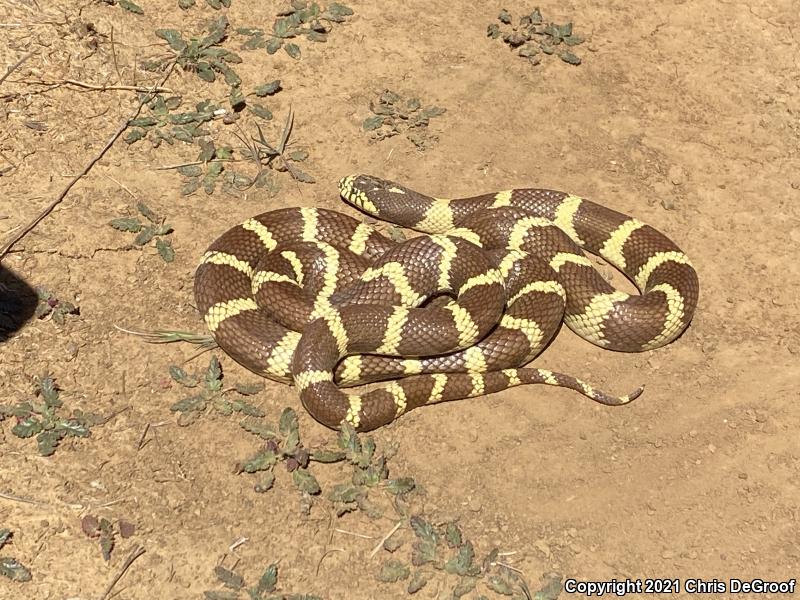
[{"x": 676, "y": 175}]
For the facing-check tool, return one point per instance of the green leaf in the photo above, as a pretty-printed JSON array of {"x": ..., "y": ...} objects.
[
  {"x": 261, "y": 461},
  {"x": 147, "y": 213},
  {"x": 500, "y": 585},
  {"x": 461, "y": 563},
  {"x": 504, "y": 17},
  {"x": 228, "y": 578},
  {"x": 433, "y": 111},
  {"x": 145, "y": 235},
  {"x": 255, "y": 42},
  {"x": 337, "y": 12},
  {"x": 130, "y": 6},
  {"x": 216, "y": 32},
  {"x": 292, "y": 50},
  {"x": 463, "y": 587},
  {"x": 273, "y": 45},
  {"x": 393, "y": 571},
  {"x": 237, "y": 98},
  {"x": 344, "y": 492},
  {"x": 184, "y": 4},
  {"x": 173, "y": 38},
  {"x": 290, "y": 430},
  {"x": 302, "y": 176},
  {"x": 569, "y": 58},
  {"x": 190, "y": 404},
  {"x": 418, "y": 581},
  {"x": 207, "y": 151},
  {"x": 403, "y": 485},
  {"x": 5, "y": 535},
  {"x": 191, "y": 186},
  {"x": 493, "y": 31},
  {"x": 246, "y": 408},
  {"x": 134, "y": 135},
  {"x": 73, "y": 428},
  {"x": 266, "y": 583},
  {"x": 250, "y": 389},
  {"x": 143, "y": 122},
  {"x": 14, "y": 570},
  {"x": 190, "y": 170},
  {"x": 48, "y": 440},
  {"x": 573, "y": 40},
  {"x": 47, "y": 389},
  {"x": 305, "y": 481},
  {"x": 181, "y": 376},
  {"x": 266, "y": 483},
  {"x": 165, "y": 250},
  {"x": 373, "y": 122},
  {"x": 268, "y": 89},
  {"x": 453, "y": 535},
  {"x": 27, "y": 427},
  {"x": 131, "y": 224},
  {"x": 205, "y": 72},
  {"x": 327, "y": 456},
  {"x": 260, "y": 111},
  {"x": 213, "y": 377},
  {"x": 233, "y": 80},
  {"x": 259, "y": 428}
]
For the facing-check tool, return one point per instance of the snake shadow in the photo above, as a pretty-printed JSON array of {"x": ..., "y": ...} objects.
[{"x": 18, "y": 301}]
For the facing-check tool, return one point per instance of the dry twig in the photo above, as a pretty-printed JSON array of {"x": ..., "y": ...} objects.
[
  {"x": 15, "y": 66},
  {"x": 122, "y": 127},
  {"x": 135, "y": 553}
]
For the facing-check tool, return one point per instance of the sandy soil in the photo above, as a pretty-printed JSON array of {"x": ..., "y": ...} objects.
[{"x": 684, "y": 114}]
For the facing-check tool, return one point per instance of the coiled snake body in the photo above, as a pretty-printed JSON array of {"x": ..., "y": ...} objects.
[{"x": 317, "y": 298}]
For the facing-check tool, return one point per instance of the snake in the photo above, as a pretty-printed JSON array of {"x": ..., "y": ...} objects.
[{"x": 324, "y": 301}]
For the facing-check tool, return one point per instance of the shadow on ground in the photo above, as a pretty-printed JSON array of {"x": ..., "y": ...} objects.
[{"x": 18, "y": 302}]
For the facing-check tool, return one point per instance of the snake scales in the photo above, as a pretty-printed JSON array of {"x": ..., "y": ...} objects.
[{"x": 449, "y": 315}]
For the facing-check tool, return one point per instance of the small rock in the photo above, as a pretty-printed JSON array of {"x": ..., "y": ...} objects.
[
  {"x": 542, "y": 546},
  {"x": 668, "y": 203},
  {"x": 676, "y": 175}
]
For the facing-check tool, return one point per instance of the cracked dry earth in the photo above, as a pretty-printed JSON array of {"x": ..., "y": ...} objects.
[{"x": 683, "y": 114}]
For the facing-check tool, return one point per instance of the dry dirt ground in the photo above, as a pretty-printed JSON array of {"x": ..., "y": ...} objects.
[{"x": 684, "y": 114}]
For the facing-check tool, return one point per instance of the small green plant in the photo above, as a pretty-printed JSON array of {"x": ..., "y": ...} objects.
[
  {"x": 215, "y": 4},
  {"x": 283, "y": 445},
  {"x": 128, "y": 5},
  {"x": 394, "y": 114},
  {"x": 533, "y": 37},
  {"x": 444, "y": 549},
  {"x": 41, "y": 418},
  {"x": 204, "y": 55},
  {"x": 234, "y": 584},
  {"x": 11, "y": 567},
  {"x": 164, "y": 124},
  {"x": 211, "y": 394},
  {"x": 106, "y": 532},
  {"x": 54, "y": 307},
  {"x": 276, "y": 156},
  {"x": 156, "y": 230},
  {"x": 299, "y": 19}
]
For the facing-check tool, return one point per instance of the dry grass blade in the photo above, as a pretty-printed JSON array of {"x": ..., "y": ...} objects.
[
  {"x": 168, "y": 336},
  {"x": 287, "y": 130}
]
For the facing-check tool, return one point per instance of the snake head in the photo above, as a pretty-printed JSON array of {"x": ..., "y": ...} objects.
[{"x": 384, "y": 199}]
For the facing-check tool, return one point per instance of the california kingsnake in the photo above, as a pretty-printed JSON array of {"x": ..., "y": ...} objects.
[{"x": 448, "y": 315}]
